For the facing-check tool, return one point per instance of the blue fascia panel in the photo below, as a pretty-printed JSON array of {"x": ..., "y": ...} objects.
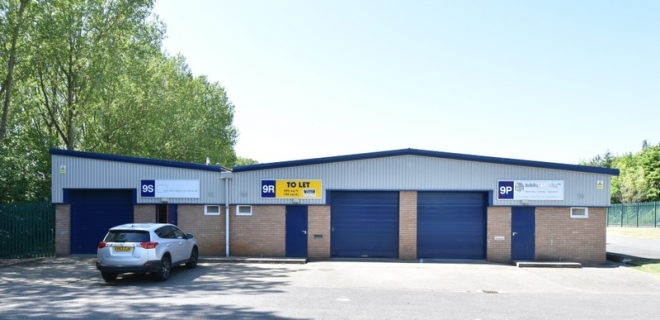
[
  {"x": 152, "y": 162},
  {"x": 433, "y": 154}
]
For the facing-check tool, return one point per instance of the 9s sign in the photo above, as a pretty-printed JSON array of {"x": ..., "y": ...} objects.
[{"x": 148, "y": 188}]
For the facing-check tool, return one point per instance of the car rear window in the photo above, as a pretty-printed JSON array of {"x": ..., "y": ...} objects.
[{"x": 127, "y": 236}]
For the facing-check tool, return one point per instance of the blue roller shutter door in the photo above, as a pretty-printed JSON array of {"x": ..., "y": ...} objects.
[
  {"x": 451, "y": 225},
  {"x": 364, "y": 224},
  {"x": 93, "y": 212}
]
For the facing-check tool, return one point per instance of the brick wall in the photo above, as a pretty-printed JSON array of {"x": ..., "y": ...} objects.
[
  {"x": 62, "y": 229},
  {"x": 260, "y": 235},
  {"x": 208, "y": 230},
  {"x": 562, "y": 238},
  {"x": 408, "y": 225},
  {"x": 498, "y": 224},
  {"x": 144, "y": 213},
  {"x": 318, "y": 218}
]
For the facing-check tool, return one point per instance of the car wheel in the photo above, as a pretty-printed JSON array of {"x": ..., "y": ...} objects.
[
  {"x": 109, "y": 277},
  {"x": 164, "y": 271},
  {"x": 192, "y": 262}
]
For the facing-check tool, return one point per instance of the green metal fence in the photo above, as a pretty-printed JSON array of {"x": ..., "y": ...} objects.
[
  {"x": 27, "y": 230},
  {"x": 640, "y": 214}
]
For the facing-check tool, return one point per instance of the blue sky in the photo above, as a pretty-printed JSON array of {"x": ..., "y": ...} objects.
[{"x": 556, "y": 81}]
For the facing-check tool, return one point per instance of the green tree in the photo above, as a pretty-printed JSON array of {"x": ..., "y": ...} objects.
[
  {"x": 240, "y": 161},
  {"x": 90, "y": 75},
  {"x": 604, "y": 161},
  {"x": 167, "y": 114},
  {"x": 631, "y": 185},
  {"x": 79, "y": 48},
  {"x": 649, "y": 160},
  {"x": 12, "y": 19}
]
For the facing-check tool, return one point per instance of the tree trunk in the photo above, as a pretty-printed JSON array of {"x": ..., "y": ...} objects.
[{"x": 9, "y": 80}]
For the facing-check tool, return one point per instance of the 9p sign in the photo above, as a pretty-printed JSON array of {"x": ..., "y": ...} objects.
[{"x": 505, "y": 190}]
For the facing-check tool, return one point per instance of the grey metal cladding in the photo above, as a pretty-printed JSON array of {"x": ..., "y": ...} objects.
[
  {"x": 84, "y": 173},
  {"x": 419, "y": 173}
]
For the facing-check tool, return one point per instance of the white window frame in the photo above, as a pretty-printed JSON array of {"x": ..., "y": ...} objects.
[
  {"x": 580, "y": 216},
  {"x": 238, "y": 210},
  {"x": 208, "y": 212}
]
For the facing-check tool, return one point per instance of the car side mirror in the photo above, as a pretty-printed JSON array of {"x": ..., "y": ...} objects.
[{"x": 190, "y": 236}]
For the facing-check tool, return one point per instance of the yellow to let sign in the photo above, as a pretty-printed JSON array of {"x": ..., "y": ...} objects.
[{"x": 302, "y": 189}]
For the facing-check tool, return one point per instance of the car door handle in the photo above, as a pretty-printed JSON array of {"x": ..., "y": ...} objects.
[
  {"x": 513, "y": 233},
  {"x": 305, "y": 231}
]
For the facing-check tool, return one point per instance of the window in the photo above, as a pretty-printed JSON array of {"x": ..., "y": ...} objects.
[
  {"x": 165, "y": 232},
  {"x": 178, "y": 233},
  {"x": 243, "y": 210},
  {"x": 579, "y": 213},
  {"x": 213, "y": 210},
  {"x": 127, "y": 236}
]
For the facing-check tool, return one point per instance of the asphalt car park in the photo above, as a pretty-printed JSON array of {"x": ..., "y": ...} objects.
[
  {"x": 635, "y": 247},
  {"x": 71, "y": 287}
]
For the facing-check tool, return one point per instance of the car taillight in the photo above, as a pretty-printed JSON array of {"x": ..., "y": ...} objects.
[
  {"x": 149, "y": 245},
  {"x": 102, "y": 244}
]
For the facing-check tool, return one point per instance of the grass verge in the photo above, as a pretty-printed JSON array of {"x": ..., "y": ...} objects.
[{"x": 652, "y": 266}]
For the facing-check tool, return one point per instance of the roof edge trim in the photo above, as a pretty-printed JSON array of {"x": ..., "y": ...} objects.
[
  {"x": 136, "y": 160},
  {"x": 426, "y": 153}
]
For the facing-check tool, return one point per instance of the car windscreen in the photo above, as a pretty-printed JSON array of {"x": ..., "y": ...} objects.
[{"x": 127, "y": 236}]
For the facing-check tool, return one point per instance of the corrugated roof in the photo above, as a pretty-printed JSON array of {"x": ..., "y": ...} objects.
[
  {"x": 146, "y": 161},
  {"x": 433, "y": 154}
]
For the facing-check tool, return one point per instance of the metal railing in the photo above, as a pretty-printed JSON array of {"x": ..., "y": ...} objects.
[
  {"x": 27, "y": 230},
  {"x": 636, "y": 215}
]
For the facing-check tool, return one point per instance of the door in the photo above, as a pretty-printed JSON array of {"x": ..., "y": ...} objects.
[
  {"x": 451, "y": 225},
  {"x": 166, "y": 213},
  {"x": 183, "y": 246},
  {"x": 93, "y": 212},
  {"x": 523, "y": 224},
  {"x": 172, "y": 214},
  {"x": 296, "y": 231},
  {"x": 364, "y": 224}
]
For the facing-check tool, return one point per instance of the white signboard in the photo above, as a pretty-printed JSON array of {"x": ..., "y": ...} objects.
[
  {"x": 169, "y": 189},
  {"x": 530, "y": 190}
]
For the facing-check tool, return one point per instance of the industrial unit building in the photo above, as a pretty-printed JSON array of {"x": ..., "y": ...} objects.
[{"x": 405, "y": 204}]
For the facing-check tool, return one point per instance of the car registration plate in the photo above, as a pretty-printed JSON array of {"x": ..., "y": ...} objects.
[{"x": 122, "y": 249}]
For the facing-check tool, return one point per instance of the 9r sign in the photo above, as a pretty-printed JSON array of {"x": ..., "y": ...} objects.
[{"x": 268, "y": 188}]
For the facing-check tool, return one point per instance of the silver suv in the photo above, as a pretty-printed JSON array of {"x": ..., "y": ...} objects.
[{"x": 145, "y": 248}]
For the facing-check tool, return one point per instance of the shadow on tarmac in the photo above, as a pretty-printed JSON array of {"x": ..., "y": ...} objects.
[{"x": 64, "y": 280}]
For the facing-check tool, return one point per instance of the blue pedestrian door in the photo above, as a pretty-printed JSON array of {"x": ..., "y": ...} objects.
[
  {"x": 523, "y": 224},
  {"x": 296, "y": 231},
  {"x": 166, "y": 213}
]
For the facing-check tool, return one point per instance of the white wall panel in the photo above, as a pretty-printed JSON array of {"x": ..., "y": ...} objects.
[
  {"x": 412, "y": 172},
  {"x": 403, "y": 172},
  {"x": 84, "y": 173}
]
